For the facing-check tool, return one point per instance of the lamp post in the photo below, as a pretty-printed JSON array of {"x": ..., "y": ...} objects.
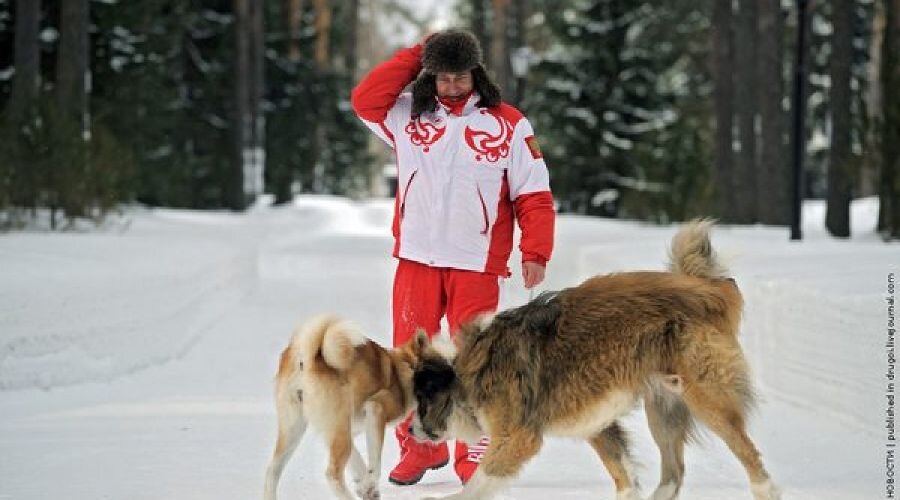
[{"x": 799, "y": 99}]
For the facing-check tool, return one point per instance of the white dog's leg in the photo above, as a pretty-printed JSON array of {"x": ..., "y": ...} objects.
[
  {"x": 765, "y": 490},
  {"x": 375, "y": 422},
  {"x": 480, "y": 487},
  {"x": 338, "y": 487},
  {"x": 291, "y": 427},
  {"x": 628, "y": 494},
  {"x": 341, "y": 452},
  {"x": 363, "y": 485},
  {"x": 340, "y": 490},
  {"x": 667, "y": 491}
]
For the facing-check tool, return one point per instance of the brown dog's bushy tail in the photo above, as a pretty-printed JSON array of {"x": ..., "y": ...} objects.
[
  {"x": 692, "y": 253},
  {"x": 329, "y": 340}
]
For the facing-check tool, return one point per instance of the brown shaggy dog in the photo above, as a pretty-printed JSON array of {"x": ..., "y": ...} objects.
[
  {"x": 571, "y": 363},
  {"x": 339, "y": 382}
]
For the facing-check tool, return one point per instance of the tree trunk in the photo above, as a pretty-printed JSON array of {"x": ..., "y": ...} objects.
[
  {"x": 26, "y": 84},
  {"x": 323, "y": 34},
  {"x": 72, "y": 60},
  {"x": 774, "y": 182},
  {"x": 352, "y": 39},
  {"x": 837, "y": 213},
  {"x": 519, "y": 42},
  {"x": 294, "y": 25},
  {"x": 240, "y": 123},
  {"x": 890, "y": 171},
  {"x": 248, "y": 123},
  {"x": 499, "y": 61},
  {"x": 480, "y": 22},
  {"x": 870, "y": 166},
  {"x": 256, "y": 186},
  {"x": 323, "y": 111},
  {"x": 723, "y": 68},
  {"x": 745, "y": 192}
]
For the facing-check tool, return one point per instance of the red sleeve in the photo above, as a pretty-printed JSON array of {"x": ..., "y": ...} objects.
[
  {"x": 536, "y": 217},
  {"x": 378, "y": 91}
]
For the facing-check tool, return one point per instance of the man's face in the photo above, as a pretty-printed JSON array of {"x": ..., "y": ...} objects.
[{"x": 454, "y": 86}]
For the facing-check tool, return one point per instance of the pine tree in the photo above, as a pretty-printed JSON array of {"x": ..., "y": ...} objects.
[
  {"x": 26, "y": 84},
  {"x": 822, "y": 52},
  {"x": 620, "y": 100},
  {"x": 314, "y": 141}
]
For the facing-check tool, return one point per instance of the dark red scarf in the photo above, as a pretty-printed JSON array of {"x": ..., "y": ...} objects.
[{"x": 456, "y": 107}]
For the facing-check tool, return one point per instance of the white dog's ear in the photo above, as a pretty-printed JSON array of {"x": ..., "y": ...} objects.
[{"x": 422, "y": 339}]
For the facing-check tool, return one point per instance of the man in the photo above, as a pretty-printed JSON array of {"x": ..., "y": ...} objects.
[{"x": 468, "y": 167}]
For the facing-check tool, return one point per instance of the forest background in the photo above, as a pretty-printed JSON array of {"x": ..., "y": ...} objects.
[{"x": 645, "y": 109}]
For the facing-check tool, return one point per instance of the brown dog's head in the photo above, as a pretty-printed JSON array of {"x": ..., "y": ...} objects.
[
  {"x": 442, "y": 411},
  {"x": 434, "y": 385}
]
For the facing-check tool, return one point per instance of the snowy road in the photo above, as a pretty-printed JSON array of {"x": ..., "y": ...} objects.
[{"x": 137, "y": 364}]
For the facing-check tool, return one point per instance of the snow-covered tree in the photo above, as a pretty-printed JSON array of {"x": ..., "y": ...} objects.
[{"x": 620, "y": 98}]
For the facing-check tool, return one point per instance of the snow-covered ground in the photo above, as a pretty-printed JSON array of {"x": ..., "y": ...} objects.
[{"x": 136, "y": 362}]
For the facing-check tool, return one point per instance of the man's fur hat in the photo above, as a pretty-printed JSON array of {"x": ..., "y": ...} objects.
[{"x": 452, "y": 51}]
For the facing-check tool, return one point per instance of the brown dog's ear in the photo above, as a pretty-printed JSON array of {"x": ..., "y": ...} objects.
[
  {"x": 473, "y": 326},
  {"x": 465, "y": 329}
]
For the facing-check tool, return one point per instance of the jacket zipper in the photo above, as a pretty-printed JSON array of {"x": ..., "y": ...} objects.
[
  {"x": 484, "y": 211},
  {"x": 405, "y": 193}
]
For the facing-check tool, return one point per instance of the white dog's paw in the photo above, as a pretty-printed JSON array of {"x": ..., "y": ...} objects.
[
  {"x": 668, "y": 491},
  {"x": 368, "y": 490},
  {"x": 628, "y": 494},
  {"x": 370, "y": 495},
  {"x": 765, "y": 491}
]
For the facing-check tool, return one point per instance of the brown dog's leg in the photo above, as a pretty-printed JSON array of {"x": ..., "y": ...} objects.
[
  {"x": 612, "y": 446},
  {"x": 725, "y": 415},
  {"x": 505, "y": 456},
  {"x": 670, "y": 424}
]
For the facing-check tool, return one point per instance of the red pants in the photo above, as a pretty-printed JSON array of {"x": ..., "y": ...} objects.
[{"x": 423, "y": 295}]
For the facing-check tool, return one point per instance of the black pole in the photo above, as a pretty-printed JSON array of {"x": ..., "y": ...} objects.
[{"x": 799, "y": 118}]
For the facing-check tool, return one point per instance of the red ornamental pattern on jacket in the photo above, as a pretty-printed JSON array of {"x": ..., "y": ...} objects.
[
  {"x": 491, "y": 147},
  {"x": 424, "y": 133}
]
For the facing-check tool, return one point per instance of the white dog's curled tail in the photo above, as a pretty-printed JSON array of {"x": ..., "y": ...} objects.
[
  {"x": 692, "y": 253},
  {"x": 330, "y": 337}
]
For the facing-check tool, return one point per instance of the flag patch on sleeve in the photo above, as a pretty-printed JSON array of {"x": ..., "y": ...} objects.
[{"x": 534, "y": 147}]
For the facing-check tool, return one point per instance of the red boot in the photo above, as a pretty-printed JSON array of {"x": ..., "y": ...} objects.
[
  {"x": 416, "y": 458},
  {"x": 467, "y": 458}
]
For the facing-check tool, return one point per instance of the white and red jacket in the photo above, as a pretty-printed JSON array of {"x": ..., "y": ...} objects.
[{"x": 462, "y": 179}]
